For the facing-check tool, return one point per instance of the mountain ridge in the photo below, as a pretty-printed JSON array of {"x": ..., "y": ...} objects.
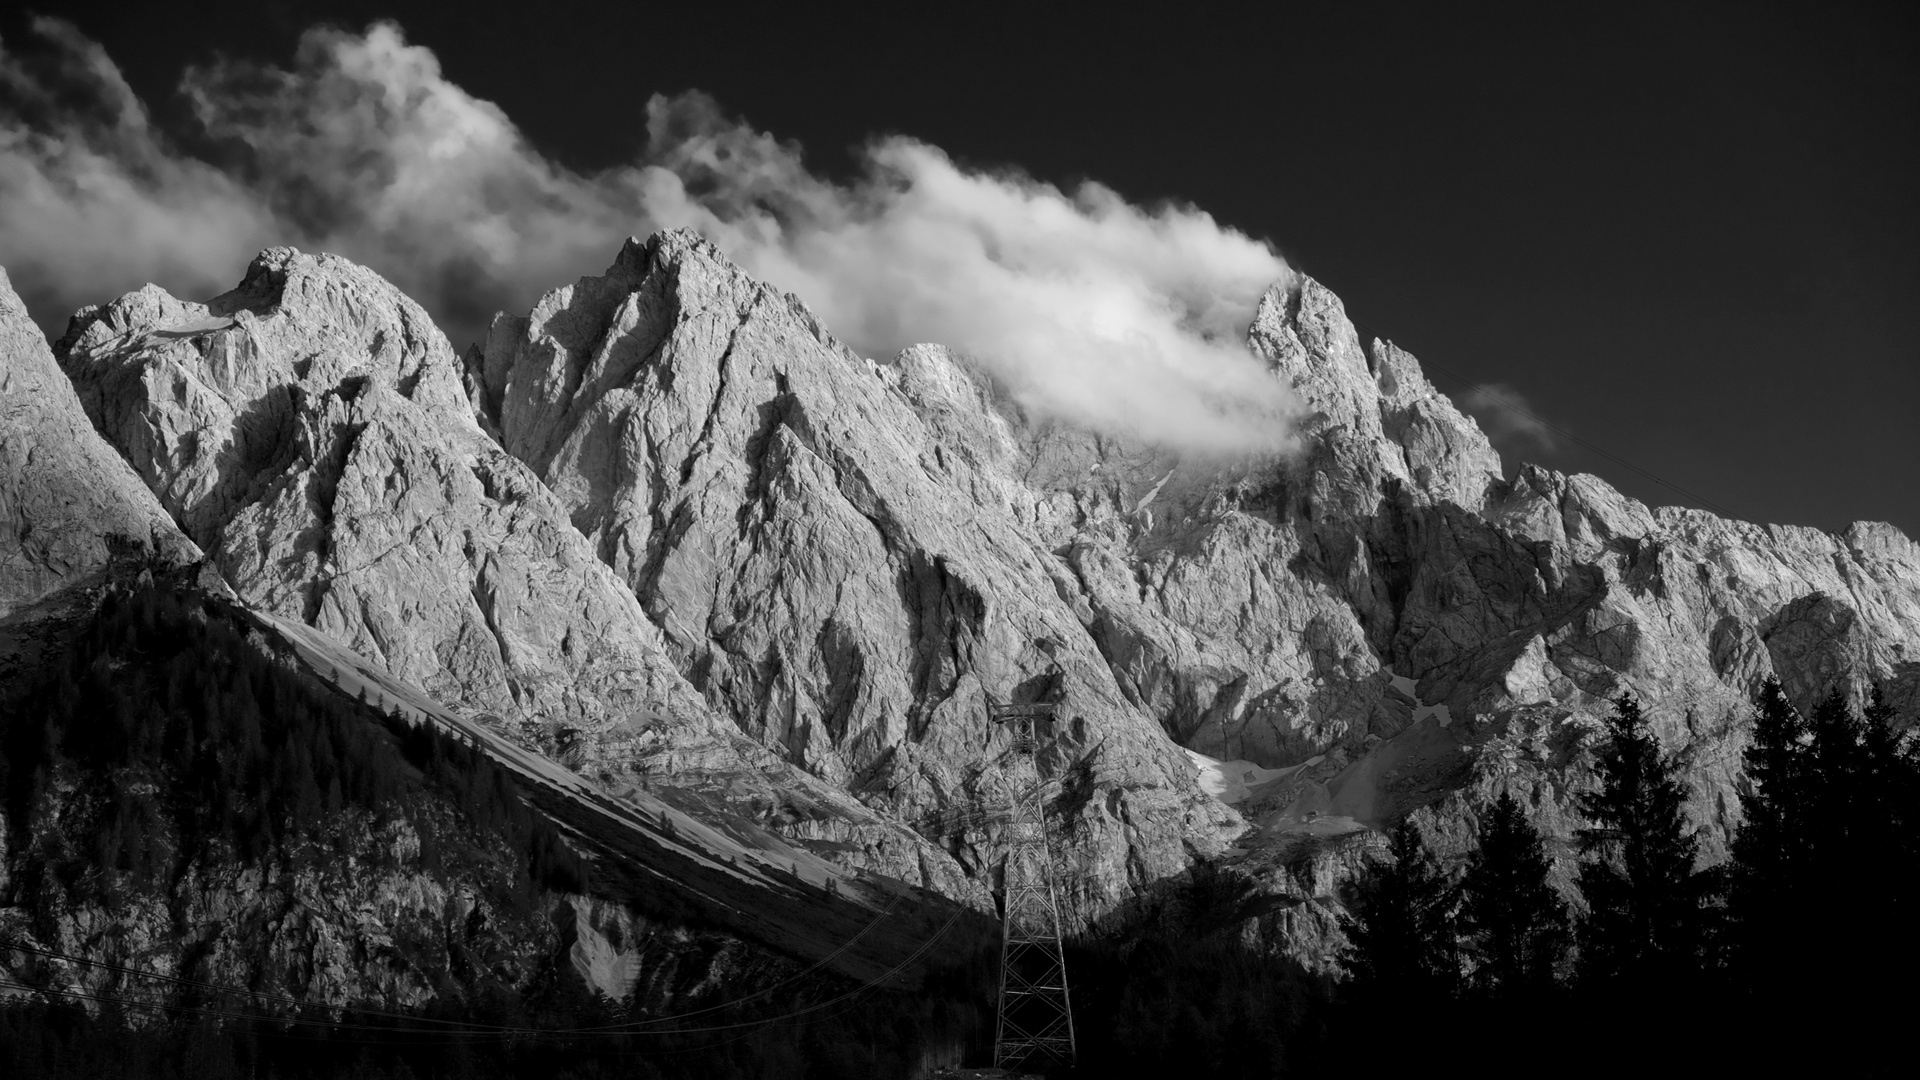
[{"x": 665, "y": 529}]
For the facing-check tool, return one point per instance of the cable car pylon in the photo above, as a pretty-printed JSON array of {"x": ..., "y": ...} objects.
[{"x": 1035, "y": 1014}]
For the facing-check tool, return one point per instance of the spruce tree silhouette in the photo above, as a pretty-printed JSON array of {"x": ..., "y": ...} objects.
[
  {"x": 1401, "y": 948},
  {"x": 1893, "y": 776},
  {"x": 1822, "y": 877},
  {"x": 1773, "y": 851},
  {"x": 1646, "y": 924},
  {"x": 1886, "y": 837},
  {"x": 1518, "y": 923}
]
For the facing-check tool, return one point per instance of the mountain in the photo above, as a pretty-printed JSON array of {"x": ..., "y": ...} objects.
[
  {"x": 339, "y": 478},
  {"x": 838, "y": 553},
  {"x": 310, "y": 429},
  {"x": 845, "y": 554},
  {"x": 669, "y": 546},
  {"x": 68, "y": 503}
]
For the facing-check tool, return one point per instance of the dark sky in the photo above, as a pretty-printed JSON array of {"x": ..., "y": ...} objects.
[{"x": 1688, "y": 234}]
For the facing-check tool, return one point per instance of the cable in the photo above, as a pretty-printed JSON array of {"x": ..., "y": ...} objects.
[
  {"x": 855, "y": 992},
  {"x": 464, "y": 1029},
  {"x": 197, "y": 1010},
  {"x": 328, "y": 1026},
  {"x": 816, "y": 966},
  {"x": 497, "y": 1031},
  {"x": 283, "y": 999},
  {"x": 1558, "y": 430},
  {"x": 780, "y": 1020},
  {"x": 220, "y": 988}
]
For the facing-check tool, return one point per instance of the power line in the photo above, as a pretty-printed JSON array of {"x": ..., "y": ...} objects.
[
  {"x": 816, "y": 966},
  {"x": 457, "y": 1029},
  {"x": 221, "y": 988}
]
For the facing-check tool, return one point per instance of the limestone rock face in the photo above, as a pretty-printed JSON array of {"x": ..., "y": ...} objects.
[
  {"x": 848, "y": 556},
  {"x": 833, "y": 550},
  {"x": 675, "y": 533},
  {"x": 308, "y": 429},
  {"x": 1252, "y": 606},
  {"x": 1688, "y": 611},
  {"x": 68, "y": 503},
  {"x": 311, "y": 430}
]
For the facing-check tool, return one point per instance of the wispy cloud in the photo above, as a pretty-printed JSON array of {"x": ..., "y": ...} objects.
[
  {"x": 1118, "y": 316},
  {"x": 93, "y": 202},
  {"x": 1512, "y": 424}
]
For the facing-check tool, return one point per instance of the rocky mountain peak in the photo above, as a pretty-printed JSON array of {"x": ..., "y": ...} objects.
[
  {"x": 831, "y": 555},
  {"x": 68, "y": 504},
  {"x": 666, "y": 527},
  {"x": 311, "y": 428},
  {"x": 1372, "y": 417}
]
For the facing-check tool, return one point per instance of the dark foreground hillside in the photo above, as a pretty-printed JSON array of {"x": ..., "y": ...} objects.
[{"x": 218, "y": 865}]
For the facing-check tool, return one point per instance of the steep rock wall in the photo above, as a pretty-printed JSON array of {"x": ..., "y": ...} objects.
[
  {"x": 673, "y": 531},
  {"x": 68, "y": 503},
  {"x": 823, "y": 564},
  {"x": 310, "y": 429}
]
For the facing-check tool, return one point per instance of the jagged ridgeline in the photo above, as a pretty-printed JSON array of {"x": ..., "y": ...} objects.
[{"x": 728, "y": 600}]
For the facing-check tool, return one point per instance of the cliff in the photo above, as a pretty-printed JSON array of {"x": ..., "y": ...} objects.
[{"x": 68, "y": 504}]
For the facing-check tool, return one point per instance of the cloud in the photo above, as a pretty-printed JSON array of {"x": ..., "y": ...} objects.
[
  {"x": 1124, "y": 318},
  {"x": 1511, "y": 424},
  {"x": 93, "y": 202}
]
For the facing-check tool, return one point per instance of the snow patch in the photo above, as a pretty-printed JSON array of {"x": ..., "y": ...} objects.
[
  {"x": 1232, "y": 781},
  {"x": 1420, "y": 711}
]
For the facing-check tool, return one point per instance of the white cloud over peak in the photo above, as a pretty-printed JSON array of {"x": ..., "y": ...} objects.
[{"x": 1121, "y": 317}]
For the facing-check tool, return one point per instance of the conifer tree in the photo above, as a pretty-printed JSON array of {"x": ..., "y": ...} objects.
[
  {"x": 1842, "y": 781},
  {"x": 1773, "y": 851},
  {"x": 1822, "y": 874},
  {"x": 1888, "y": 834},
  {"x": 1646, "y": 915},
  {"x": 1893, "y": 764},
  {"x": 1777, "y": 789},
  {"x": 1518, "y": 922},
  {"x": 1401, "y": 940}
]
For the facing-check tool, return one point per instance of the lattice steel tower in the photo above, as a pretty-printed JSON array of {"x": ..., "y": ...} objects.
[{"x": 1035, "y": 1016}]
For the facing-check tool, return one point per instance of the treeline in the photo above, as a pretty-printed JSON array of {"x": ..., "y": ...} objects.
[
  {"x": 1177, "y": 990},
  {"x": 162, "y": 737},
  {"x": 1789, "y": 954},
  {"x": 1792, "y": 955}
]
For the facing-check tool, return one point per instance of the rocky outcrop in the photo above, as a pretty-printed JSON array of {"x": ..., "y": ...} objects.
[
  {"x": 846, "y": 556},
  {"x": 68, "y": 504},
  {"x": 833, "y": 551},
  {"x": 310, "y": 430},
  {"x": 1251, "y": 606},
  {"x": 670, "y": 530}
]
